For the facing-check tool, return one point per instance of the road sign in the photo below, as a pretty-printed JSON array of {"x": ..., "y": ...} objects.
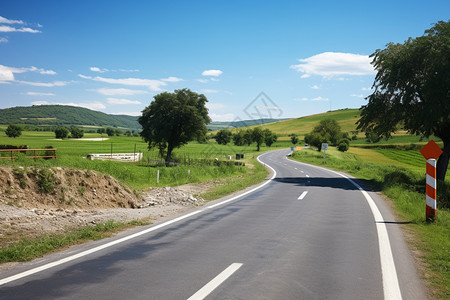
[
  {"x": 431, "y": 152},
  {"x": 324, "y": 146}
]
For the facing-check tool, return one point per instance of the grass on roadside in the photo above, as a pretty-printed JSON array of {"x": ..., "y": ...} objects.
[
  {"x": 406, "y": 187},
  {"x": 29, "y": 249}
]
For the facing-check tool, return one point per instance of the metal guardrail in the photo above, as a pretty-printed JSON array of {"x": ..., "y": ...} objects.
[{"x": 35, "y": 156}]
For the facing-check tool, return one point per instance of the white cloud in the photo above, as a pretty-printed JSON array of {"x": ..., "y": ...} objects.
[
  {"x": 154, "y": 85},
  {"x": 202, "y": 80},
  {"x": 6, "y": 21},
  {"x": 125, "y": 70},
  {"x": 172, "y": 79},
  {"x": 214, "y": 106},
  {"x": 120, "y": 92},
  {"x": 7, "y": 73},
  {"x": 3, "y": 40},
  {"x": 95, "y": 69},
  {"x": 329, "y": 64},
  {"x": 366, "y": 89},
  {"x": 315, "y": 87},
  {"x": 222, "y": 118},
  {"x": 357, "y": 95},
  {"x": 319, "y": 99},
  {"x": 121, "y": 101},
  {"x": 39, "y": 94},
  {"x": 214, "y": 73},
  {"x": 268, "y": 107},
  {"x": 45, "y": 84},
  {"x": 91, "y": 105},
  {"x": 5, "y": 28},
  {"x": 134, "y": 113},
  {"x": 208, "y": 91}
]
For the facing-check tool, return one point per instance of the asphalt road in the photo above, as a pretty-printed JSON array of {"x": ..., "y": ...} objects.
[{"x": 306, "y": 234}]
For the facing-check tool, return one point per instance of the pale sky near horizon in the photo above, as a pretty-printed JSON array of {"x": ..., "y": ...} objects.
[{"x": 251, "y": 59}]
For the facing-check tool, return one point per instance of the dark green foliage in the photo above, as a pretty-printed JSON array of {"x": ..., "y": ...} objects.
[
  {"x": 238, "y": 138},
  {"x": 101, "y": 130},
  {"x": 19, "y": 173},
  {"x": 174, "y": 119},
  {"x": 412, "y": 87},
  {"x": 110, "y": 131},
  {"x": 223, "y": 137},
  {"x": 76, "y": 133},
  {"x": 61, "y": 132},
  {"x": 45, "y": 181},
  {"x": 258, "y": 137},
  {"x": 343, "y": 145},
  {"x": 269, "y": 137},
  {"x": 327, "y": 131},
  {"x": 294, "y": 138},
  {"x": 64, "y": 115},
  {"x": 13, "y": 131}
]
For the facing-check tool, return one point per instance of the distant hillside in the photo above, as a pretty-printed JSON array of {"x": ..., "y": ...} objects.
[
  {"x": 45, "y": 115},
  {"x": 244, "y": 123},
  {"x": 346, "y": 118}
]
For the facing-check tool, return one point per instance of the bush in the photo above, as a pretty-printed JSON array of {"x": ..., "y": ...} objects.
[{"x": 61, "y": 132}]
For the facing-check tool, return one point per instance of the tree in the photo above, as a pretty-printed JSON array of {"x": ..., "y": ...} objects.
[
  {"x": 269, "y": 137},
  {"x": 61, "y": 132},
  {"x": 412, "y": 87},
  {"x": 248, "y": 137},
  {"x": 238, "y": 138},
  {"x": 76, "y": 133},
  {"x": 174, "y": 119},
  {"x": 258, "y": 137},
  {"x": 294, "y": 138},
  {"x": 110, "y": 131},
  {"x": 223, "y": 137},
  {"x": 327, "y": 131},
  {"x": 13, "y": 131},
  {"x": 101, "y": 130}
]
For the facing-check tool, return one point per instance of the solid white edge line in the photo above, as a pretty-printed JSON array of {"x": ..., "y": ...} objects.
[
  {"x": 215, "y": 282},
  {"x": 302, "y": 195},
  {"x": 391, "y": 287},
  {"x": 107, "y": 245}
]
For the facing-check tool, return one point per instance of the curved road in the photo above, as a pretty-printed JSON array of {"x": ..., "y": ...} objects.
[{"x": 308, "y": 233}]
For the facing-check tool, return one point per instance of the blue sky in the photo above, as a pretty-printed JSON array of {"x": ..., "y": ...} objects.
[{"x": 250, "y": 58}]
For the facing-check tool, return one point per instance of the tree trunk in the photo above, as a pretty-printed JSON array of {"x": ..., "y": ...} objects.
[
  {"x": 169, "y": 155},
  {"x": 442, "y": 163}
]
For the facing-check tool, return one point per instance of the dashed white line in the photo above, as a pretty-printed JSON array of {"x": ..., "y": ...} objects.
[
  {"x": 215, "y": 282},
  {"x": 307, "y": 175},
  {"x": 302, "y": 195}
]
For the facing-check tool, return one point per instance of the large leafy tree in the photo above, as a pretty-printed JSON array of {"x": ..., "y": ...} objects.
[
  {"x": 223, "y": 136},
  {"x": 13, "y": 131},
  {"x": 174, "y": 119},
  {"x": 327, "y": 131},
  {"x": 411, "y": 88}
]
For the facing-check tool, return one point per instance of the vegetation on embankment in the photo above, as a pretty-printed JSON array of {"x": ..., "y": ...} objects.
[{"x": 399, "y": 177}]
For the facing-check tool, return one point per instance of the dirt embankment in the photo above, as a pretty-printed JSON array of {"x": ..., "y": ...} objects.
[{"x": 38, "y": 201}]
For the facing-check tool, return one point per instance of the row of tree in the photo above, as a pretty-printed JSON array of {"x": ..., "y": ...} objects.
[
  {"x": 328, "y": 131},
  {"x": 246, "y": 137},
  {"x": 62, "y": 132}
]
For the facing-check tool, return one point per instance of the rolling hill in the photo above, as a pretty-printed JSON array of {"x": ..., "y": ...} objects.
[{"x": 51, "y": 115}]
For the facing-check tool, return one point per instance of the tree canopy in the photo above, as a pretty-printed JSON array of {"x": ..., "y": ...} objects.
[
  {"x": 173, "y": 119},
  {"x": 223, "y": 136},
  {"x": 327, "y": 131},
  {"x": 61, "y": 132},
  {"x": 411, "y": 89},
  {"x": 13, "y": 131}
]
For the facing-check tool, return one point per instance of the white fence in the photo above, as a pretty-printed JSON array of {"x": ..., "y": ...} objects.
[{"x": 116, "y": 156}]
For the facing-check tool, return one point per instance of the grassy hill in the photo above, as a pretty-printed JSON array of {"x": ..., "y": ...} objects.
[
  {"x": 301, "y": 126},
  {"x": 51, "y": 115},
  {"x": 245, "y": 123}
]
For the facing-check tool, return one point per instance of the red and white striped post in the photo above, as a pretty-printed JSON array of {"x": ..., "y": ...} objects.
[
  {"x": 431, "y": 152},
  {"x": 431, "y": 193}
]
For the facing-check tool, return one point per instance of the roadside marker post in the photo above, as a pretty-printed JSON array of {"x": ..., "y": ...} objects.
[{"x": 431, "y": 152}]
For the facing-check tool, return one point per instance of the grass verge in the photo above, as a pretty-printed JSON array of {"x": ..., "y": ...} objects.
[
  {"x": 29, "y": 249},
  {"x": 406, "y": 188}
]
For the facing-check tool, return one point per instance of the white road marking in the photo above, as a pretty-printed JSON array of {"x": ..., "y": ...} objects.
[
  {"x": 107, "y": 245},
  {"x": 302, "y": 195},
  {"x": 302, "y": 172},
  {"x": 307, "y": 175},
  {"x": 215, "y": 282},
  {"x": 296, "y": 168},
  {"x": 391, "y": 286}
]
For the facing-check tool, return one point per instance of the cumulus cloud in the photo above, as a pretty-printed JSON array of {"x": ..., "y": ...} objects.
[
  {"x": 214, "y": 73},
  {"x": 121, "y": 101},
  {"x": 329, "y": 64},
  {"x": 315, "y": 87},
  {"x": 172, "y": 79},
  {"x": 154, "y": 85},
  {"x": 221, "y": 118},
  {"x": 312, "y": 99},
  {"x": 44, "y": 84},
  {"x": 6, "y": 21},
  {"x": 202, "y": 80},
  {"x": 120, "y": 92},
  {"x": 6, "y": 28},
  {"x": 3, "y": 40},
  {"x": 133, "y": 113},
  {"x": 39, "y": 94},
  {"x": 7, "y": 73},
  {"x": 90, "y": 105},
  {"x": 357, "y": 95},
  {"x": 95, "y": 69},
  {"x": 214, "y": 106},
  {"x": 208, "y": 91}
]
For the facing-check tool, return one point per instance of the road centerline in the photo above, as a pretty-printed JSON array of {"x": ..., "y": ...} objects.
[
  {"x": 215, "y": 282},
  {"x": 302, "y": 195}
]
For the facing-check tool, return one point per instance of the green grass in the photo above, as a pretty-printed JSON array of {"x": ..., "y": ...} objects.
[
  {"x": 29, "y": 249},
  {"x": 404, "y": 183}
]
